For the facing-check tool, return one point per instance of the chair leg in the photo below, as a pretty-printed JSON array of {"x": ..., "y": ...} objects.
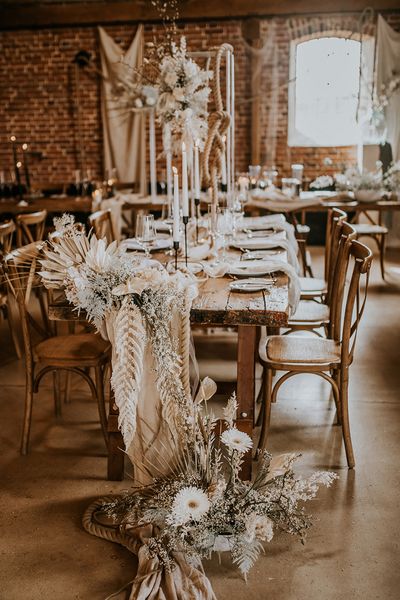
[
  {"x": 57, "y": 393},
  {"x": 67, "y": 388},
  {"x": 335, "y": 374},
  {"x": 101, "y": 402},
  {"x": 382, "y": 255},
  {"x": 344, "y": 402},
  {"x": 267, "y": 389},
  {"x": 13, "y": 331},
  {"x": 26, "y": 428}
]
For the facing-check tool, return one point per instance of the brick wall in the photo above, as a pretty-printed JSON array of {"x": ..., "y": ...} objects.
[{"x": 38, "y": 92}]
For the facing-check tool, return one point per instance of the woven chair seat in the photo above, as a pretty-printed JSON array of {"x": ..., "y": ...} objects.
[
  {"x": 370, "y": 229},
  {"x": 309, "y": 311},
  {"x": 292, "y": 349},
  {"x": 312, "y": 284},
  {"x": 78, "y": 350}
]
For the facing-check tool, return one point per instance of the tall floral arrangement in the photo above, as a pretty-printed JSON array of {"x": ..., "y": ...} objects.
[
  {"x": 183, "y": 97},
  {"x": 391, "y": 178}
]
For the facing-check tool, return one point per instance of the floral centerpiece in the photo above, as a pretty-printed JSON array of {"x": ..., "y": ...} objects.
[
  {"x": 366, "y": 185},
  {"x": 205, "y": 506},
  {"x": 391, "y": 179},
  {"x": 183, "y": 97},
  {"x": 323, "y": 182}
]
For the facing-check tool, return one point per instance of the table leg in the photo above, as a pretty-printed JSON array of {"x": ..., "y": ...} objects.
[
  {"x": 115, "y": 459},
  {"x": 247, "y": 347}
]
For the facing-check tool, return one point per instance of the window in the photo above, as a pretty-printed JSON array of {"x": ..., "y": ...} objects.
[{"x": 323, "y": 93}]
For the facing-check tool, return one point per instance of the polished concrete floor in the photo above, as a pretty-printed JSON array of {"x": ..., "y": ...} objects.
[{"x": 352, "y": 551}]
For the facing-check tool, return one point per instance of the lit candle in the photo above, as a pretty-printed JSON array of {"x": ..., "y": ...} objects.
[
  {"x": 175, "y": 227},
  {"x": 26, "y": 166},
  {"x": 223, "y": 163},
  {"x": 185, "y": 194},
  {"x": 196, "y": 171}
]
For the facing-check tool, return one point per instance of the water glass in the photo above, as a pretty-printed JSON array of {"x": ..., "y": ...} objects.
[{"x": 145, "y": 232}]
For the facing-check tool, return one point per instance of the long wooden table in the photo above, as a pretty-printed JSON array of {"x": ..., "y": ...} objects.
[{"x": 215, "y": 305}]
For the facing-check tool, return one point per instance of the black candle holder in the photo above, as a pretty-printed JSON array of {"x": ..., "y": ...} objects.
[
  {"x": 176, "y": 248},
  {"x": 196, "y": 210},
  {"x": 185, "y": 223}
]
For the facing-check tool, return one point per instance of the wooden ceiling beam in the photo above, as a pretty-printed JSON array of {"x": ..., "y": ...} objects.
[{"x": 18, "y": 15}]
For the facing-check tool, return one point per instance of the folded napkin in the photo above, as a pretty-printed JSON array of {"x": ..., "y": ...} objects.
[
  {"x": 276, "y": 201},
  {"x": 272, "y": 241},
  {"x": 277, "y": 221}
]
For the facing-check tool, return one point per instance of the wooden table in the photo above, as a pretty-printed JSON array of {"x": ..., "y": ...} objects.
[{"x": 215, "y": 305}]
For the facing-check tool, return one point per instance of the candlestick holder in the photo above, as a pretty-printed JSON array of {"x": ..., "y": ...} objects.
[
  {"x": 176, "y": 248},
  {"x": 196, "y": 212},
  {"x": 185, "y": 223}
]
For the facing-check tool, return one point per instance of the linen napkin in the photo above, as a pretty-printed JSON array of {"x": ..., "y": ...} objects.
[
  {"x": 272, "y": 241},
  {"x": 276, "y": 220}
]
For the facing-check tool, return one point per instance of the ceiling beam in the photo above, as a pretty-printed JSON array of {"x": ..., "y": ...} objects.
[{"x": 19, "y": 15}]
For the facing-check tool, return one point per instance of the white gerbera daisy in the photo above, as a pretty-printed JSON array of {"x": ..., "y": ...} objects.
[
  {"x": 189, "y": 503},
  {"x": 236, "y": 440}
]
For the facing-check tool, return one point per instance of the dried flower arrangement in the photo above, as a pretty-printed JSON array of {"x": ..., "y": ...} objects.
[{"x": 204, "y": 505}]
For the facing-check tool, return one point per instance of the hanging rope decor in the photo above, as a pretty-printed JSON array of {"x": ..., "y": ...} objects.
[{"x": 219, "y": 122}]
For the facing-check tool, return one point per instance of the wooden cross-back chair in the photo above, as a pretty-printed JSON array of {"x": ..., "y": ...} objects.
[
  {"x": 375, "y": 230},
  {"x": 310, "y": 314},
  {"x": 328, "y": 358},
  {"x": 74, "y": 353},
  {"x": 30, "y": 227},
  {"x": 7, "y": 231},
  {"x": 314, "y": 287},
  {"x": 102, "y": 224}
]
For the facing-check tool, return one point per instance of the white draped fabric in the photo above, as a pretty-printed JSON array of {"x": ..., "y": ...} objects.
[
  {"x": 388, "y": 64},
  {"x": 124, "y": 133}
]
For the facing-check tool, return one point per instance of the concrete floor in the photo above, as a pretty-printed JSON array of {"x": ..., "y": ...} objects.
[{"x": 352, "y": 552}]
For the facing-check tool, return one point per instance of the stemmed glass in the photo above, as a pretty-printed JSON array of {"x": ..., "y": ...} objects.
[
  {"x": 225, "y": 228},
  {"x": 145, "y": 232}
]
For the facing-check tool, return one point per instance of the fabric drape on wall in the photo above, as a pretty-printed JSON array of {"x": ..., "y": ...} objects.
[
  {"x": 124, "y": 133},
  {"x": 387, "y": 65},
  {"x": 265, "y": 85}
]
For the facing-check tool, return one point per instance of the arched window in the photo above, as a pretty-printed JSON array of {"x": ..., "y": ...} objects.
[{"x": 323, "y": 92}]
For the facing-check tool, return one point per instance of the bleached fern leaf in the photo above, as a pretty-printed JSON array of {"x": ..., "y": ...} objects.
[
  {"x": 130, "y": 338},
  {"x": 245, "y": 554}
]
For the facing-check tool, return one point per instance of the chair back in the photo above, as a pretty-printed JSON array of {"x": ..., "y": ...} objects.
[
  {"x": 354, "y": 306},
  {"x": 30, "y": 227},
  {"x": 101, "y": 222},
  {"x": 335, "y": 216},
  {"x": 346, "y": 234},
  {"x": 21, "y": 267},
  {"x": 7, "y": 230}
]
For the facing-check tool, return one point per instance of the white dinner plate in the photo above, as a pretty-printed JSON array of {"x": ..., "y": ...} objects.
[
  {"x": 255, "y": 244},
  {"x": 251, "y": 285},
  {"x": 249, "y": 269},
  {"x": 158, "y": 245}
]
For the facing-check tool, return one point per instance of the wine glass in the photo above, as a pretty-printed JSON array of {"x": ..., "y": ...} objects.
[
  {"x": 225, "y": 228},
  {"x": 145, "y": 232}
]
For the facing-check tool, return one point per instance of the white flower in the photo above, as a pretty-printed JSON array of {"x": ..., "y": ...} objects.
[
  {"x": 140, "y": 281},
  {"x": 236, "y": 440},
  {"x": 190, "y": 503},
  {"x": 259, "y": 527},
  {"x": 150, "y": 101},
  {"x": 171, "y": 78},
  {"x": 179, "y": 94},
  {"x": 138, "y": 103},
  {"x": 100, "y": 257}
]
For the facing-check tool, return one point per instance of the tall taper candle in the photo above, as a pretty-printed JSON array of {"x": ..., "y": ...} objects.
[
  {"x": 196, "y": 171},
  {"x": 152, "y": 146},
  {"x": 185, "y": 193},
  {"x": 223, "y": 163},
  {"x": 175, "y": 227},
  {"x": 169, "y": 177}
]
